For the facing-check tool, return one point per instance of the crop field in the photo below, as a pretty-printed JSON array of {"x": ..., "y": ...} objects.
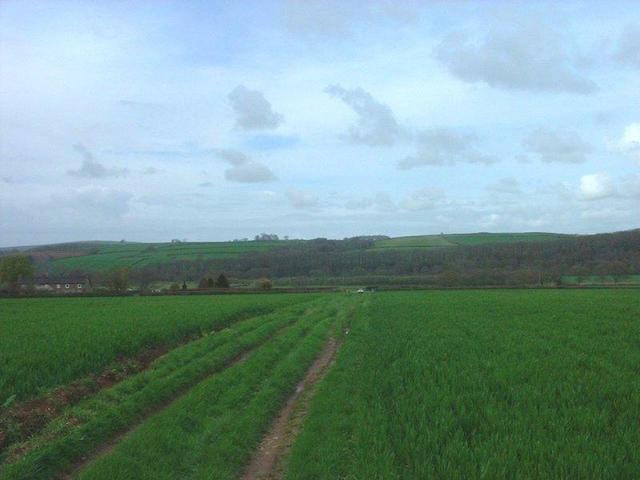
[
  {"x": 425, "y": 384},
  {"x": 51, "y": 341},
  {"x": 498, "y": 384},
  {"x": 467, "y": 239},
  {"x": 115, "y": 255}
]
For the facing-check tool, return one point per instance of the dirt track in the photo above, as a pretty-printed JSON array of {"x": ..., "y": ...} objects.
[{"x": 267, "y": 460}]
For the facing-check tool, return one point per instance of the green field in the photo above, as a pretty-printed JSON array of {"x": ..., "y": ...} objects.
[
  {"x": 133, "y": 255},
  {"x": 466, "y": 239},
  {"x": 103, "y": 256},
  {"x": 506, "y": 384},
  {"x": 47, "y": 342},
  {"x": 430, "y": 384}
]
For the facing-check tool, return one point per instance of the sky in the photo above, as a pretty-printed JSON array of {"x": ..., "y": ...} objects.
[{"x": 215, "y": 120}]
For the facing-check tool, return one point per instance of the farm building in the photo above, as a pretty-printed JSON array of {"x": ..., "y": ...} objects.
[{"x": 68, "y": 284}]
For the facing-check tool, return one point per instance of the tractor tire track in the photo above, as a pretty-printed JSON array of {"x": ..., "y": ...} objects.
[{"x": 266, "y": 463}]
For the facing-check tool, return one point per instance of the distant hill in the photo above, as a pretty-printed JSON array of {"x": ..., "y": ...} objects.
[
  {"x": 476, "y": 259},
  {"x": 101, "y": 256}
]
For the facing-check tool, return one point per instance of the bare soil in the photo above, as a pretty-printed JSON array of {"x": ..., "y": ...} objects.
[{"x": 266, "y": 463}]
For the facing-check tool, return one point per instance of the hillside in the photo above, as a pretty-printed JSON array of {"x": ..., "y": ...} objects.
[
  {"x": 136, "y": 255},
  {"x": 455, "y": 259},
  {"x": 100, "y": 256}
]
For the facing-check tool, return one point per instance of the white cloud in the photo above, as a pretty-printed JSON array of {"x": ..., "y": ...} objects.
[
  {"x": 532, "y": 58},
  {"x": 629, "y": 144},
  {"x": 561, "y": 146},
  {"x": 376, "y": 124},
  {"x": 338, "y": 18},
  {"x": 506, "y": 185},
  {"x": 301, "y": 199},
  {"x": 95, "y": 201},
  {"x": 358, "y": 203},
  {"x": 445, "y": 146},
  {"x": 251, "y": 172},
  {"x": 596, "y": 186},
  {"x": 423, "y": 199},
  {"x": 243, "y": 169},
  {"x": 628, "y": 48},
  {"x": 253, "y": 111},
  {"x": 91, "y": 168}
]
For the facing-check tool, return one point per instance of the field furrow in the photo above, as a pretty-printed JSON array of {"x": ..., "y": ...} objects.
[
  {"x": 50, "y": 342},
  {"x": 212, "y": 431},
  {"x": 85, "y": 427}
]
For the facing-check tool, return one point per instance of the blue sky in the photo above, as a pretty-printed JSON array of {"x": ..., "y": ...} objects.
[{"x": 219, "y": 120}]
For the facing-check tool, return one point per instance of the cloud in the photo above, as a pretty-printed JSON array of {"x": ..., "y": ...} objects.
[
  {"x": 596, "y": 186},
  {"x": 358, "y": 203},
  {"x": 244, "y": 169},
  {"x": 376, "y": 124},
  {"x": 252, "y": 172},
  {"x": 629, "y": 144},
  {"x": 135, "y": 104},
  {"x": 628, "y": 48},
  {"x": 557, "y": 146},
  {"x": 380, "y": 202},
  {"x": 150, "y": 171},
  {"x": 384, "y": 203},
  {"x": 338, "y": 18},
  {"x": 205, "y": 184},
  {"x": 532, "y": 58},
  {"x": 253, "y": 111},
  {"x": 91, "y": 168},
  {"x": 272, "y": 142},
  {"x": 506, "y": 185},
  {"x": 94, "y": 201},
  {"x": 445, "y": 146},
  {"x": 423, "y": 199},
  {"x": 301, "y": 199}
]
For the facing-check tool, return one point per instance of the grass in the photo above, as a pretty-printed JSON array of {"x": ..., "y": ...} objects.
[
  {"x": 108, "y": 256},
  {"x": 49, "y": 342},
  {"x": 86, "y": 426},
  {"x": 437, "y": 384},
  {"x": 468, "y": 384},
  {"x": 213, "y": 430},
  {"x": 466, "y": 239}
]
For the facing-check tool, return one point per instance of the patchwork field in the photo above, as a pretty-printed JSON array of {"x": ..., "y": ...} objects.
[
  {"x": 133, "y": 255},
  {"x": 103, "y": 256},
  {"x": 444, "y": 384}
]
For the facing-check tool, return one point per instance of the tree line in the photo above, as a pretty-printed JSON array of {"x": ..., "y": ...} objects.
[
  {"x": 492, "y": 264},
  {"x": 334, "y": 261}
]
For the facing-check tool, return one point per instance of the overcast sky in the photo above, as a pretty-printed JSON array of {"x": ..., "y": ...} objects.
[{"x": 152, "y": 120}]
